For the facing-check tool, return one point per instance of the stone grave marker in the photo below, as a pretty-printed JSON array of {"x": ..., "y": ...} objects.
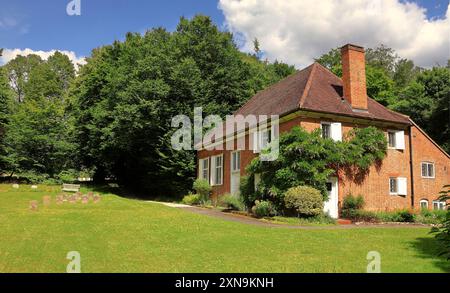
[
  {"x": 97, "y": 198},
  {"x": 59, "y": 199},
  {"x": 46, "y": 200},
  {"x": 34, "y": 205},
  {"x": 85, "y": 199}
]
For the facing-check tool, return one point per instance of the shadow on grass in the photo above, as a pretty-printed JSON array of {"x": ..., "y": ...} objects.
[
  {"x": 430, "y": 248},
  {"x": 122, "y": 192}
]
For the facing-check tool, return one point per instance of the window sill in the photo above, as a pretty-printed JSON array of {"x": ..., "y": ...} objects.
[{"x": 428, "y": 177}]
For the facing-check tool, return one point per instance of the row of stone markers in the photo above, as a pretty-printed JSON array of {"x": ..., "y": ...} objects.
[{"x": 66, "y": 198}]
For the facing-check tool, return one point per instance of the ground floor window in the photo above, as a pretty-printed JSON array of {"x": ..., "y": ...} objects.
[
  {"x": 424, "y": 204},
  {"x": 398, "y": 186},
  {"x": 393, "y": 189},
  {"x": 235, "y": 161},
  {"x": 204, "y": 169},
  {"x": 438, "y": 205},
  {"x": 217, "y": 170}
]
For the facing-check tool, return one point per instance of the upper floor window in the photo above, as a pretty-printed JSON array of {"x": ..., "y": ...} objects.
[
  {"x": 331, "y": 130},
  {"x": 391, "y": 139},
  {"x": 438, "y": 205},
  {"x": 261, "y": 139},
  {"x": 326, "y": 130},
  {"x": 427, "y": 170},
  {"x": 396, "y": 139}
]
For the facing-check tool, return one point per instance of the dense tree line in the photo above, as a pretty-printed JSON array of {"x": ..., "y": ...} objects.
[{"x": 113, "y": 117}]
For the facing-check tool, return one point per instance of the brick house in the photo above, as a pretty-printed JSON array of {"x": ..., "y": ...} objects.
[{"x": 412, "y": 174}]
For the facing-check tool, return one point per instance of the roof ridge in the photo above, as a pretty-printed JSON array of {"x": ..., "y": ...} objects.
[
  {"x": 308, "y": 84},
  {"x": 271, "y": 86}
]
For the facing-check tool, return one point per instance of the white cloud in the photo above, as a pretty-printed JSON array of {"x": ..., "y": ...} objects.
[
  {"x": 9, "y": 54},
  {"x": 298, "y": 31}
]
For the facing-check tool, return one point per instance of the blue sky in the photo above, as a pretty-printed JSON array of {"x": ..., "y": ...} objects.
[{"x": 44, "y": 25}]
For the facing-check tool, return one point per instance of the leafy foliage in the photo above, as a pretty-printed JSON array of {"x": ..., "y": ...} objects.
[
  {"x": 264, "y": 208},
  {"x": 443, "y": 232},
  {"x": 353, "y": 202},
  {"x": 304, "y": 201},
  {"x": 232, "y": 202},
  {"x": 247, "y": 190},
  {"x": 127, "y": 93},
  {"x": 192, "y": 199},
  {"x": 39, "y": 137},
  {"x": 305, "y": 158},
  {"x": 202, "y": 187}
]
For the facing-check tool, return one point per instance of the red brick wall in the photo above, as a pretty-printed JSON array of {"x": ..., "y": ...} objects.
[
  {"x": 425, "y": 151},
  {"x": 375, "y": 186}
]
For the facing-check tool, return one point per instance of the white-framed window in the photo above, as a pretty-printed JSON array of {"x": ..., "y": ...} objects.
[
  {"x": 261, "y": 140},
  {"x": 439, "y": 205},
  {"x": 326, "y": 129},
  {"x": 424, "y": 204},
  {"x": 203, "y": 169},
  {"x": 398, "y": 186},
  {"x": 396, "y": 139},
  {"x": 217, "y": 170},
  {"x": 236, "y": 161},
  {"x": 331, "y": 130},
  {"x": 427, "y": 170}
]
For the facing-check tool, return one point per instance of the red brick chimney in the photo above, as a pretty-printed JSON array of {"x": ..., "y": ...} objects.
[{"x": 354, "y": 76}]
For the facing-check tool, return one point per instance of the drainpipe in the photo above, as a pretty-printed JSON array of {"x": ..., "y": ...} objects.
[{"x": 411, "y": 165}]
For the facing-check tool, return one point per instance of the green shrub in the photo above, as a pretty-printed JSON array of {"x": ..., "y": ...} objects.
[
  {"x": 263, "y": 208},
  {"x": 303, "y": 201},
  {"x": 366, "y": 216},
  {"x": 192, "y": 199},
  {"x": 232, "y": 202},
  {"x": 33, "y": 178},
  {"x": 442, "y": 232},
  {"x": 202, "y": 187},
  {"x": 68, "y": 176},
  {"x": 353, "y": 203},
  {"x": 405, "y": 216},
  {"x": 430, "y": 217},
  {"x": 247, "y": 190},
  {"x": 51, "y": 181}
]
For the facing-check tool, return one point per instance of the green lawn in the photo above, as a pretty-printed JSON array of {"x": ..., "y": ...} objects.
[{"x": 122, "y": 235}]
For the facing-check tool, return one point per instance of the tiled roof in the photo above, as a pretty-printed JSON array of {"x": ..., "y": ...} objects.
[{"x": 317, "y": 89}]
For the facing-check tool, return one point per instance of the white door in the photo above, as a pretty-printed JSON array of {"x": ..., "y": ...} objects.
[
  {"x": 331, "y": 206},
  {"x": 235, "y": 172}
]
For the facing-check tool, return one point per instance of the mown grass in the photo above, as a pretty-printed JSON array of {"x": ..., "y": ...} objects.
[{"x": 123, "y": 235}]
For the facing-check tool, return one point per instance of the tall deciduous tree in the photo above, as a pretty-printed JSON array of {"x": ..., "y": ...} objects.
[
  {"x": 128, "y": 92},
  {"x": 38, "y": 133}
]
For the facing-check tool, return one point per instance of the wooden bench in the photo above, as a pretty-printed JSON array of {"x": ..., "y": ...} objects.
[{"x": 71, "y": 187}]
